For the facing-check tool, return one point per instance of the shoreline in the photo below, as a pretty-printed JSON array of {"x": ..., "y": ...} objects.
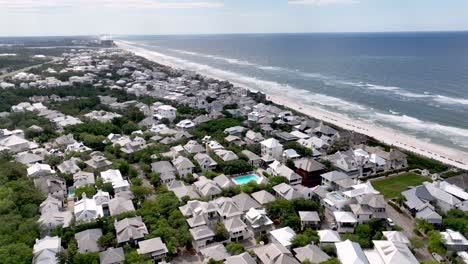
[{"x": 450, "y": 156}]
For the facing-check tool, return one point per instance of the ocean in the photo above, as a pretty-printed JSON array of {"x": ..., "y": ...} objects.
[{"x": 416, "y": 83}]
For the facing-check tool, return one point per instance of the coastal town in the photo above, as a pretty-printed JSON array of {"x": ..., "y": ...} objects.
[{"x": 108, "y": 157}]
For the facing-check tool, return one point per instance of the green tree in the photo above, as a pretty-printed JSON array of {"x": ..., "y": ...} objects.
[
  {"x": 331, "y": 261},
  {"x": 88, "y": 258},
  {"x": 15, "y": 253},
  {"x": 141, "y": 192},
  {"x": 436, "y": 245},
  {"x": 221, "y": 233},
  {"x": 235, "y": 248},
  {"x": 89, "y": 190},
  {"x": 299, "y": 240},
  {"x": 107, "y": 240}
]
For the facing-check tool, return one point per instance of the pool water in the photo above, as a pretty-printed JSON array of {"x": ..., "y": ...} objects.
[{"x": 241, "y": 180}]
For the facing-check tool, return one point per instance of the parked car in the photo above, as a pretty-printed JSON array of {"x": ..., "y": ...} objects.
[
  {"x": 389, "y": 222},
  {"x": 438, "y": 258}
]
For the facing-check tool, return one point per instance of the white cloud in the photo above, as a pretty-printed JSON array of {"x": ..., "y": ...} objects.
[
  {"x": 322, "y": 2},
  {"x": 29, "y": 5}
]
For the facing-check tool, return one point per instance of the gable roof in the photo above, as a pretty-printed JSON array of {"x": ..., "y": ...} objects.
[
  {"x": 328, "y": 236},
  {"x": 130, "y": 228},
  {"x": 263, "y": 197},
  {"x": 311, "y": 253},
  {"x": 112, "y": 255},
  {"x": 394, "y": 252},
  {"x": 152, "y": 246},
  {"x": 245, "y": 202},
  {"x": 243, "y": 258},
  {"x": 350, "y": 253},
  {"x": 87, "y": 240}
]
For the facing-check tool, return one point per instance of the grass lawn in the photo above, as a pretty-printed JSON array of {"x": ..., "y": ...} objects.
[{"x": 392, "y": 187}]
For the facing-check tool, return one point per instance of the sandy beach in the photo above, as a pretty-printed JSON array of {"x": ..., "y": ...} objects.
[{"x": 389, "y": 136}]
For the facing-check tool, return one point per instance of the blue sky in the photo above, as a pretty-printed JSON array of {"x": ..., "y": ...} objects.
[{"x": 84, "y": 17}]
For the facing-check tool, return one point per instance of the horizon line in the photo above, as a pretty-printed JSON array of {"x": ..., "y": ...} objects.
[{"x": 243, "y": 33}]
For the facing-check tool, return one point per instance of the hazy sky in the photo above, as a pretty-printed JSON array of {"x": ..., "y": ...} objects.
[{"x": 84, "y": 17}]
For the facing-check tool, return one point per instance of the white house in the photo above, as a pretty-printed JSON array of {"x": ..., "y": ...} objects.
[
  {"x": 165, "y": 111},
  {"x": 283, "y": 236},
  {"x": 183, "y": 166},
  {"x": 271, "y": 150},
  {"x": 350, "y": 253},
  {"x": 86, "y": 209}
]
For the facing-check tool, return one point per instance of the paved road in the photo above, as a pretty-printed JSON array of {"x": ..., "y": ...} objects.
[{"x": 407, "y": 224}]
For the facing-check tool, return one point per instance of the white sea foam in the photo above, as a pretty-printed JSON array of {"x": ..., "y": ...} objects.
[
  {"x": 454, "y": 134},
  {"x": 228, "y": 60},
  {"x": 450, "y": 100},
  {"x": 381, "y": 88}
]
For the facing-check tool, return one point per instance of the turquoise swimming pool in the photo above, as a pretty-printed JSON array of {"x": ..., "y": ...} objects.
[{"x": 241, "y": 180}]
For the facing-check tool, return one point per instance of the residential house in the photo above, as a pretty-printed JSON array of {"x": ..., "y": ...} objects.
[
  {"x": 245, "y": 202},
  {"x": 165, "y": 111},
  {"x": 271, "y": 150},
  {"x": 130, "y": 230},
  {"x": 39, "y": 170},
  {"x": 309, "y": 219},
  {"x": 15, "y": 144},
  {"x": 346, "y": 162},
  {"x": 252, "y": 137},
  {"x": 310, "y": 171},
  {"x": 87, "y": 210},
  {"x": 112, "y": 256},
  {"x": 336, "y": 180},
  {"x": 52, "y": 185},
  {"x": 88, "y": 240},
  {"x": 311, "y": 253},
  {"x": 120, "y": 205},
  {"x": 243, "y": 258},
  {"x": 185, "y": 124},
  {"x": 45, "y": 250},
  {"x": 205, "y": 161},
  {"x": 283, "y": 236},
  {"x": 98, "y": 162},
  {"x": 202, "y": 236},
  {"x": 69, "y": 166},
  {"x": 223, "y": 181},
  {"x": 192, "y": 147},
  {"x": 389, "y": 252},
  {"x": 286, "y": 192},
  {"x": 454, "y": 241},
  {"x": 236, "y": 228},
  {"x": 345, "y": 221},
  {"x": 226, "y": 155},
  {"x": 276, "y": 168},
  {"x": 154, "y": 248},
  {"x": 28, "y": 159},
  {"x": 207, "y": 188},
  {"x": 167, "y": 172},
  {"x": 396, "y": 236},
  {"x": 273, "y": 253},
  {"x": 183, "y": 166},
  {"x": 253, "y": 159},
  {"x": 82, "y": 179},
  {"x": 227, "y": 208},
  {"x": 328, "y": 237},
  {"x": 258, "y": 221},
  {"x": 101, "y": 198},
  {"x": 350, "y": 253},
  {"x": 263, "y": 197},
  {"x": 235, "y": 130},
  {"x": 216, "y": 253}
]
